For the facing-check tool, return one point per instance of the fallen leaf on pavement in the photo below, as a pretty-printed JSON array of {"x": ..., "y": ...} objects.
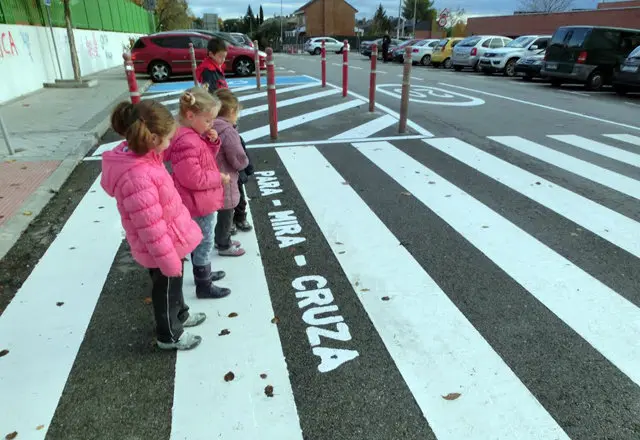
[
  {"x": 342, "y": 252},
  {"x": 229, "y": 376},
  {"x": 147, "y": 300},
  {"x": 23, "y": 168},
  {"x": 224, "y": 332},
  {"x": 405, "y": 193},
  {"x": 39, "y": 427},
  {"x": 60, "y": 303},
  {"x": 431, "y": 182},
  {"x": 232, "y": 315},
  {"x": 451, "y": 396},
  {"x": 4, "y": 353},
  {"x": 11, "y": 436},
  {"x": 268, "y": 390},
  {"x": 364, "y": 290},
  {"x": 27, "y": 213},
  {"x": 385, "y": 298},
  {"x": 263, "y": 376},
  {"x": 275, "y": 320},
  {"x": 339, "y": 242}
]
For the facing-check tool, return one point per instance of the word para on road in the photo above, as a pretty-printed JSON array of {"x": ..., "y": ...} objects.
[{"x": 431, "y": 95}]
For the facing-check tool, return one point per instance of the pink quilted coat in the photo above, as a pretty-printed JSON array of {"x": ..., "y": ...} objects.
[
  {"x": 158, "y": 227},
  {"x": 195, "y": 171},
  {"x": 231, "y": 159}
]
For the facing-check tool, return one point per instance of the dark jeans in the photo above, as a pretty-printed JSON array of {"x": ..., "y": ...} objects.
[
  {"x": 169, "y": 307},
  {"x": 223, "y": 229},
  {"x": 240, "y": 212}
]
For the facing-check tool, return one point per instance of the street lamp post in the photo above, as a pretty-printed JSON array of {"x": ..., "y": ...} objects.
[{"x": 281, "y": 27}]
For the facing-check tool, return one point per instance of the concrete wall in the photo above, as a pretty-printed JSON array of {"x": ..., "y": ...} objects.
[{"x": 27, "y": 56}]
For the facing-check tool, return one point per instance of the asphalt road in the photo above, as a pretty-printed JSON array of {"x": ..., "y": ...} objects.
[{"x": 438, "y": 284}]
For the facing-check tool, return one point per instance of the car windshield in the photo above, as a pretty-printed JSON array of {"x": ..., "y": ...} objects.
[
  {"x": 443, "y": 43},
  {"x": 520, "y": 42},
  {"x": 469, "y": 42},
  {"x": 635, "y": 53}
]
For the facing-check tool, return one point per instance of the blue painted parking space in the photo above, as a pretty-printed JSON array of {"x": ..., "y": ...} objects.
[{"x": 233, "y": 83}]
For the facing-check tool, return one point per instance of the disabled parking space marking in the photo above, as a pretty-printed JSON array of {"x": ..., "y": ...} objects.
[{"x": 426, "y": 95}]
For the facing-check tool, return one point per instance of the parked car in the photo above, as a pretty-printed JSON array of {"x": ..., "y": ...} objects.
[
  {"x": 422, "y": 51},
  {"x": 442, "y": 53},
  {"x": 627, "y": 79},
  {"x": 529, "y": 66},
  {"x": 365, "y": 47},
  {"x": 397, "y": 54},
  {"x": 504, "y": 60},
  {"x": 242, "y": 38},
  {"x": 468, "y": 52},
  {"x": 588, "y": 54},
  {"x": 314, "y": 45},
  {"x": 166, "y": 54}
]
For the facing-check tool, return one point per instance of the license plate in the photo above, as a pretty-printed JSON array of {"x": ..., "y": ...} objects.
[
  {"x": 552, "y": 66},
  {"x": 629, "y": 68}
]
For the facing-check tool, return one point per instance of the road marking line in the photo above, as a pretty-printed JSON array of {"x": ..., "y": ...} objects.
[
  {"x": 602, "y": 176},
  {"x": 599, "y": 148},
  {"x": 43, "y": 339},
  {"x": 494, "y": 403},
  {"x": 607, "y": 223},
  {"x": 605, "y": 319},
  {"x": 629, "y": 138},
  {"x": 367, "y": 129},
  {"x": 259, "y": 132},
  {"x": 151, "y": 95},
  {"x": 334, "y": 141},
  {"x": 632, "y": 103},
  {"x": 241, "y": 411},
  {"x": 300, "y": 260},
  {"x": 575, "y": 93},
  {"x": 105, "y": 147},
  {"x": 288, "y": 102},
  {"x": 546, "y": 107}
]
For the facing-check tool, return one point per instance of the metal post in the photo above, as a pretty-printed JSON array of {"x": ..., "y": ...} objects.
[
  {"x": 372, "y": 82},
  {"x": 345, "y": 68},
  {"x": 5, "y": 135},
  {"x": 323, "y": 63},
  {"x": 271, "y": 95},
  {"x": 192, "y": 54},
  {"x": 131, "y": 78},
  {"x": 53, "y": 39},
  {"x": 406, "y": 77},
  {"x": 256, "y": 63}
]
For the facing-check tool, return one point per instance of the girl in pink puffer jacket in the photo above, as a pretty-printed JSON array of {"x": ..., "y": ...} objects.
[{"x": 158, "y": 226}]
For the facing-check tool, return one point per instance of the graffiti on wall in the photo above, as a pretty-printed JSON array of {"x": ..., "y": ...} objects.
[
  {"x": 8, "y": 46},
  {"x": 26, "y": 39},
  {"x": 92, "y": 46},
  {"x": 104, "y": 45}
]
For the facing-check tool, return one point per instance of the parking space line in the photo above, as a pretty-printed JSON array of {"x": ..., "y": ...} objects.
[{"x": 575, "y": 93}]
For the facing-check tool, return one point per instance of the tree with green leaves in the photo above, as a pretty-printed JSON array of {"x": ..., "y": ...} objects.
[
  {"x": 381, "y": 23},
  {"x": 261, "y": 16},
  {"x": 173, "y": 14},
  {"x": 250, "y": 19},
  {"x": 423, "y": 8}
]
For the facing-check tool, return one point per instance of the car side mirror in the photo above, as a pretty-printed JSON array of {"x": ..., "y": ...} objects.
[{"x": 534, "y": 47}]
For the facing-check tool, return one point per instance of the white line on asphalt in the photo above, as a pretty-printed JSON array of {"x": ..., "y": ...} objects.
[
  {"x": 105, "y": 147},
  {"x": 278, "y": 91},
  {"x": 300, "y": 260},
  {"x": 356, "y": 67},
  {"x": 607, "y": 223},
  {"x": 632, "y": 103},
  {"x": 416, "y": 78},
  {"x": 367, "y": 129},
  {"x": 629, "y": 138},
  {"x": 605, "y": 319},
  {"x": 599, "y": 148},
  {"x": 160, "y": 95},
  {"x": 288, "y": 102},
  {"x": 602, "y": 176},
  {"x": 43, "y": 338},
  {"x": 494, "y": 403},
  {"x": 575, "y": 93},
  {"x": 336, "y": 64},
  {"x": 336, "y": 141},
  {"x": 237, "y": 410},
  {"x": 546, "y": 107},
  {"x": 259, "y": 132}
]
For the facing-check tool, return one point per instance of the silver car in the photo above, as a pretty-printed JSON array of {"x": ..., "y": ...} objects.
[{"x": 467, "y": 53}]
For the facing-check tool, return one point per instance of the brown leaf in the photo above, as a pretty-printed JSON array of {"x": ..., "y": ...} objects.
[
  {"x": 148, "y": 300},
  {"x": 268, "y": 390},
  {"x": 405, "y": 193},
  {"x": 23, "y": 168},
  {"x": 60, "y": 303},
  {"x": 263, "y": 376},
  {"x": 364, "y": 290},
  {"x": 345, "y": 183},
  {"x": 4, "y": 352},
  {"x": 232, "y": 315},
  {"x": 431, "y": 182},
  {"x": 385, "y": 298},
  {"x": 39, "y": 427},
  {"x": 451, "y": 396},
  {"x": 339, "y": 242},
  {"x": 11, "y": 436},
  {"x": 275, "y": 320},
  {"x": 224, "y": 332},
  {"x": 229, "y": 376},
  {"x": 27, "y": 213}
]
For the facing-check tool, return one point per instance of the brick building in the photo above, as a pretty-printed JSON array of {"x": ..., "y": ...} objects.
[
  {"x": 625, "y": 14},
  {"x": 327, "y": 18}
]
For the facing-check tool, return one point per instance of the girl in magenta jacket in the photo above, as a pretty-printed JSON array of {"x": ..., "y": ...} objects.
[
  {"x": 195, "y": 172},
  {"x": 231, "y": 159},
  {"x": 158, "y": 227}
]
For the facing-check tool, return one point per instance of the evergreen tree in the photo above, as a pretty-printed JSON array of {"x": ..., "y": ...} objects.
[
  {"x": 381, "y": 22},
  {"x": 261, "y": 15},
  {"x": 424, "y": 10},
  {"x": 250, "y": 20}
]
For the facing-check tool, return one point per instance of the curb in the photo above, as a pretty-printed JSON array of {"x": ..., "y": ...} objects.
[{"x": 15, "y": 226}]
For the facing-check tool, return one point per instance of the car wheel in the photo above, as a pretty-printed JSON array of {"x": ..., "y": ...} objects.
[
  {"x": 317, "y": 51},
  {"x": 447, "y": 63},
  {"x": 243, "y": 66},
  {"x": 159, "y": 71},
  {"x": 426, "y": 60},
  {"x": 457, "y": 68},
  {"x": 595, "y": 81},
  {"x": 510, "y": 68},
  {"x": 476, "y": 66}
]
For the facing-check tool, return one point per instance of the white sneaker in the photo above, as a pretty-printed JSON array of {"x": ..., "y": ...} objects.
[
  {"x": 186, "y": 342},
  {"x": 194, "y": 319}
]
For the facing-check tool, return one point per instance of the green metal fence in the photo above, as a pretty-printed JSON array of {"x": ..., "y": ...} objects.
[{"x": 108, "y": 15}]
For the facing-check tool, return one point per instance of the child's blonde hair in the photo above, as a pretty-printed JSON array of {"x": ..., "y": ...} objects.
[
  {"x": 229, "y": 101},
  {"x": 197, "y": 100},
  {"x": 139, "y": 122}
]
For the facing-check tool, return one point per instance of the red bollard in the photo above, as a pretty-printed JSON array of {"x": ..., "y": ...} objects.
[
  {"x": 257, "y": 63},
  {"x": 192, "y": 54},
  {"x": 271, "y": 95},
  {"x": 323, "y": 62},
  {"x": 372, "y": 82},
  {"x": 345, "y": 68},
  {"x": 131, "y": 78},
  {"x": 406, "y": 82}
]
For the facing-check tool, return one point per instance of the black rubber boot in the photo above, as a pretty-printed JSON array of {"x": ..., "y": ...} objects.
[
  {"x": 216, "y": 275},
  {"x": 205, "y": 289}
]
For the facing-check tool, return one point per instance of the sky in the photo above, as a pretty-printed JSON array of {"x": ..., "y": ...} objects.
[{"x": 235, "y": 8}]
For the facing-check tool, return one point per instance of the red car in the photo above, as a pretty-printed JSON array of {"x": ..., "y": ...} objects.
[{"x": 166, "y": 54}]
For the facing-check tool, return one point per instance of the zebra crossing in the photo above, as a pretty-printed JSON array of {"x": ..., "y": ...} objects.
[{"x": 414, "y": 287}]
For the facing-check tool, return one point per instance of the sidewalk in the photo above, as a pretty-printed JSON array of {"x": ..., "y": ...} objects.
[{"x": 50, "y": 131}]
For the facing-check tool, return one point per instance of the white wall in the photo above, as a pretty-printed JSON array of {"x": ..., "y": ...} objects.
[{"x": 28, "y": 59}]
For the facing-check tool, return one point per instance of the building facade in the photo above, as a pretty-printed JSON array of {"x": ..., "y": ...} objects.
[{"x": 327, "y": 18}]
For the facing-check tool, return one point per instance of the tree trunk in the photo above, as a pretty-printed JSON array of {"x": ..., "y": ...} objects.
[{"x": 72, "y": 42}]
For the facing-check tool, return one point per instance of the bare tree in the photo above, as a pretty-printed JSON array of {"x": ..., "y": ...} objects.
[
  {"x": 72, "y": 42},
  {"x": 545, "y": 5}
]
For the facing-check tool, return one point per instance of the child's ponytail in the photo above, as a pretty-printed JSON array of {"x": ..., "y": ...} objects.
[{"x": 139, "y": 122}]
